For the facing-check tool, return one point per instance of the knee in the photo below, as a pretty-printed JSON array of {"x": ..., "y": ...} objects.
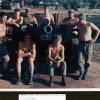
[
  {"x": 7, "y": 59},
  {"x": 81, "y": 62},
  {"x": 64, "y": 64},
  {"x": 81, "y": 69},
  {"x": 50, "y": 63},
  {"x": 31, "y": 60},
  {"x": 19, "y": 60}
]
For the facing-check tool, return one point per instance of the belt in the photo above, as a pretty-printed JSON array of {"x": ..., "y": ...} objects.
[{"x": 89, "y": 41}]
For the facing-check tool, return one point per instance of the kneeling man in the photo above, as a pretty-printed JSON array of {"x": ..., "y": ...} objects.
[{"x": 56, "y": 59}]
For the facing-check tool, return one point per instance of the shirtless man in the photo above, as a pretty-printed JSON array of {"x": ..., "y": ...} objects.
[
  {"x": 26, "y": 50},
  {"x": 47, "y": 16},
  {"x": 68, "y": 25},
  {"x": 3, "y": 50},
  {"x": 29, "y": 19},
  {"x": 31, "y": 24},
  {"x": 16, "y": 21},
  {"x": 56, "y": 59},
  {"x": 85, "y": 44}
]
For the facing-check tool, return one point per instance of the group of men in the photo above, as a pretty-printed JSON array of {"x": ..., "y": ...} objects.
[{"x": 78, "y": 33}]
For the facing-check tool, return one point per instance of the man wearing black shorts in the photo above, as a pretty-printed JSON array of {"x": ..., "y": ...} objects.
[{"x": 3, "y": 50}]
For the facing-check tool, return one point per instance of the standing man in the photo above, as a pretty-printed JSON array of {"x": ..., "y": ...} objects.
[
  {"x": 56, "y": 59},
  {"x": 29, "y": 19},
  {"x": 16, "y": 21},
  {"x": 47, "y": 16},
  {"x": 3, "y": 49},
  {"x": 26, "y": 50},
  {"x": 86, "y": 44},
  {"x": 31, "y": 24},
  {"x": 68, "y": 25}
]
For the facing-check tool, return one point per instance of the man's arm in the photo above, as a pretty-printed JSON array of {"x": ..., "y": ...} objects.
[
  {"x": 94, "y": 27},
  {"x": 52, "y": 19},
  {"x": 33, "y": 51},
  {"x": 49, "y": 55},
  {"x": 20, "y": 50},
  {"x": 35, "y": 21},
  {"x": 21, "y": 20},
  {"x": 21, "y": 53},
  {"x": 10, "y": 22},
  {"x": 62, "y": 54}
]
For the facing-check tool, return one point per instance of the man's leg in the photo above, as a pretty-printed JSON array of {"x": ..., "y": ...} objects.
[
  {"x": 88, "y": 58},
  {"x": 51, "y": 67},
  {"x": 6, "y": 60},
  {"x": 19, "y": 61},
  {"x": 31, "y": 68},
  {"x": 81, "y": 62},
  {"x": 5, "y": 65},
  {"x": 63, "y": 72}
]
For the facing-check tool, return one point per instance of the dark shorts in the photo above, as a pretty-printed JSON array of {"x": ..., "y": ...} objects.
[{"x": 3, "y": 50}]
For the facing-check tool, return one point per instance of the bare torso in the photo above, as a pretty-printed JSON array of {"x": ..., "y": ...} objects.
[
  {"x": 85, "y": 31},
  {"x": 29, "y": 18},
  {"x": 26, "y": 48},
  {"x": 2, "y": 30},
  {"x": 56, "y": 50}
]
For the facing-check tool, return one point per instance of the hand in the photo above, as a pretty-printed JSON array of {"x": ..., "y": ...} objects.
[
  {"x": 57, "y": 63},
  {"x": 92, "y": 41},
  {"x": 29, "y": 54},
  {"x": 16, "y": 24}
]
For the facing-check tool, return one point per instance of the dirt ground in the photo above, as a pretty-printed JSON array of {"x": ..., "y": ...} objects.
[{"x": 92, "y": 81}]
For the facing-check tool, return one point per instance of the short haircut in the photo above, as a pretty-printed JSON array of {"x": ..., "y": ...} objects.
[
  {"x": 57, "y": 37},
  {"x": 46, "y": 7},
  {"x": 28, "y": 9},
  {"x": 17, "y": 10},
  {"x": 82, "y": 16},
  {"x": 70, "y": 11},
  {"x": 2, "y": 14}
]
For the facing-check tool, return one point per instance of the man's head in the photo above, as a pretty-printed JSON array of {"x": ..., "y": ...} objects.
[
  {"x": 27, "y": 39},
  {"x": 3, "y": 17},
  {"x": 46, "y": 10},
  {"x": 17, "y": 12},
  {"x": 71, "y": 13},
  {"x": 57, "y": 40},
  {"x": 28, "y": 11},
  {"x": 82, "y": 18}
]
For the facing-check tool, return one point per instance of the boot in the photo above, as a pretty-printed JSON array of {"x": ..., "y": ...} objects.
[
  {"x": 19, "y": 81},
  {"x": 63, "y": 82},
  {"x": 81, "y": 74},
  {"x": 31, "y": 80},
  {"x": 51, "y": 81}
]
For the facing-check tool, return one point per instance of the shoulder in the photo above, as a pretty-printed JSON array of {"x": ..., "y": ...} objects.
[
  {"x": 21, "y": 17},
  {"x": 89, "y": 23},
  {"x": 62, "y": 47},
  {"x": 34, "y": 17},
  {"x": 10, "y": 18},
  {"x": 50, "y": 46},
  {"x": 77, "y": 19},
  {"x": 33, "y": 44},
  {"x": 51, "y": 15}
]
